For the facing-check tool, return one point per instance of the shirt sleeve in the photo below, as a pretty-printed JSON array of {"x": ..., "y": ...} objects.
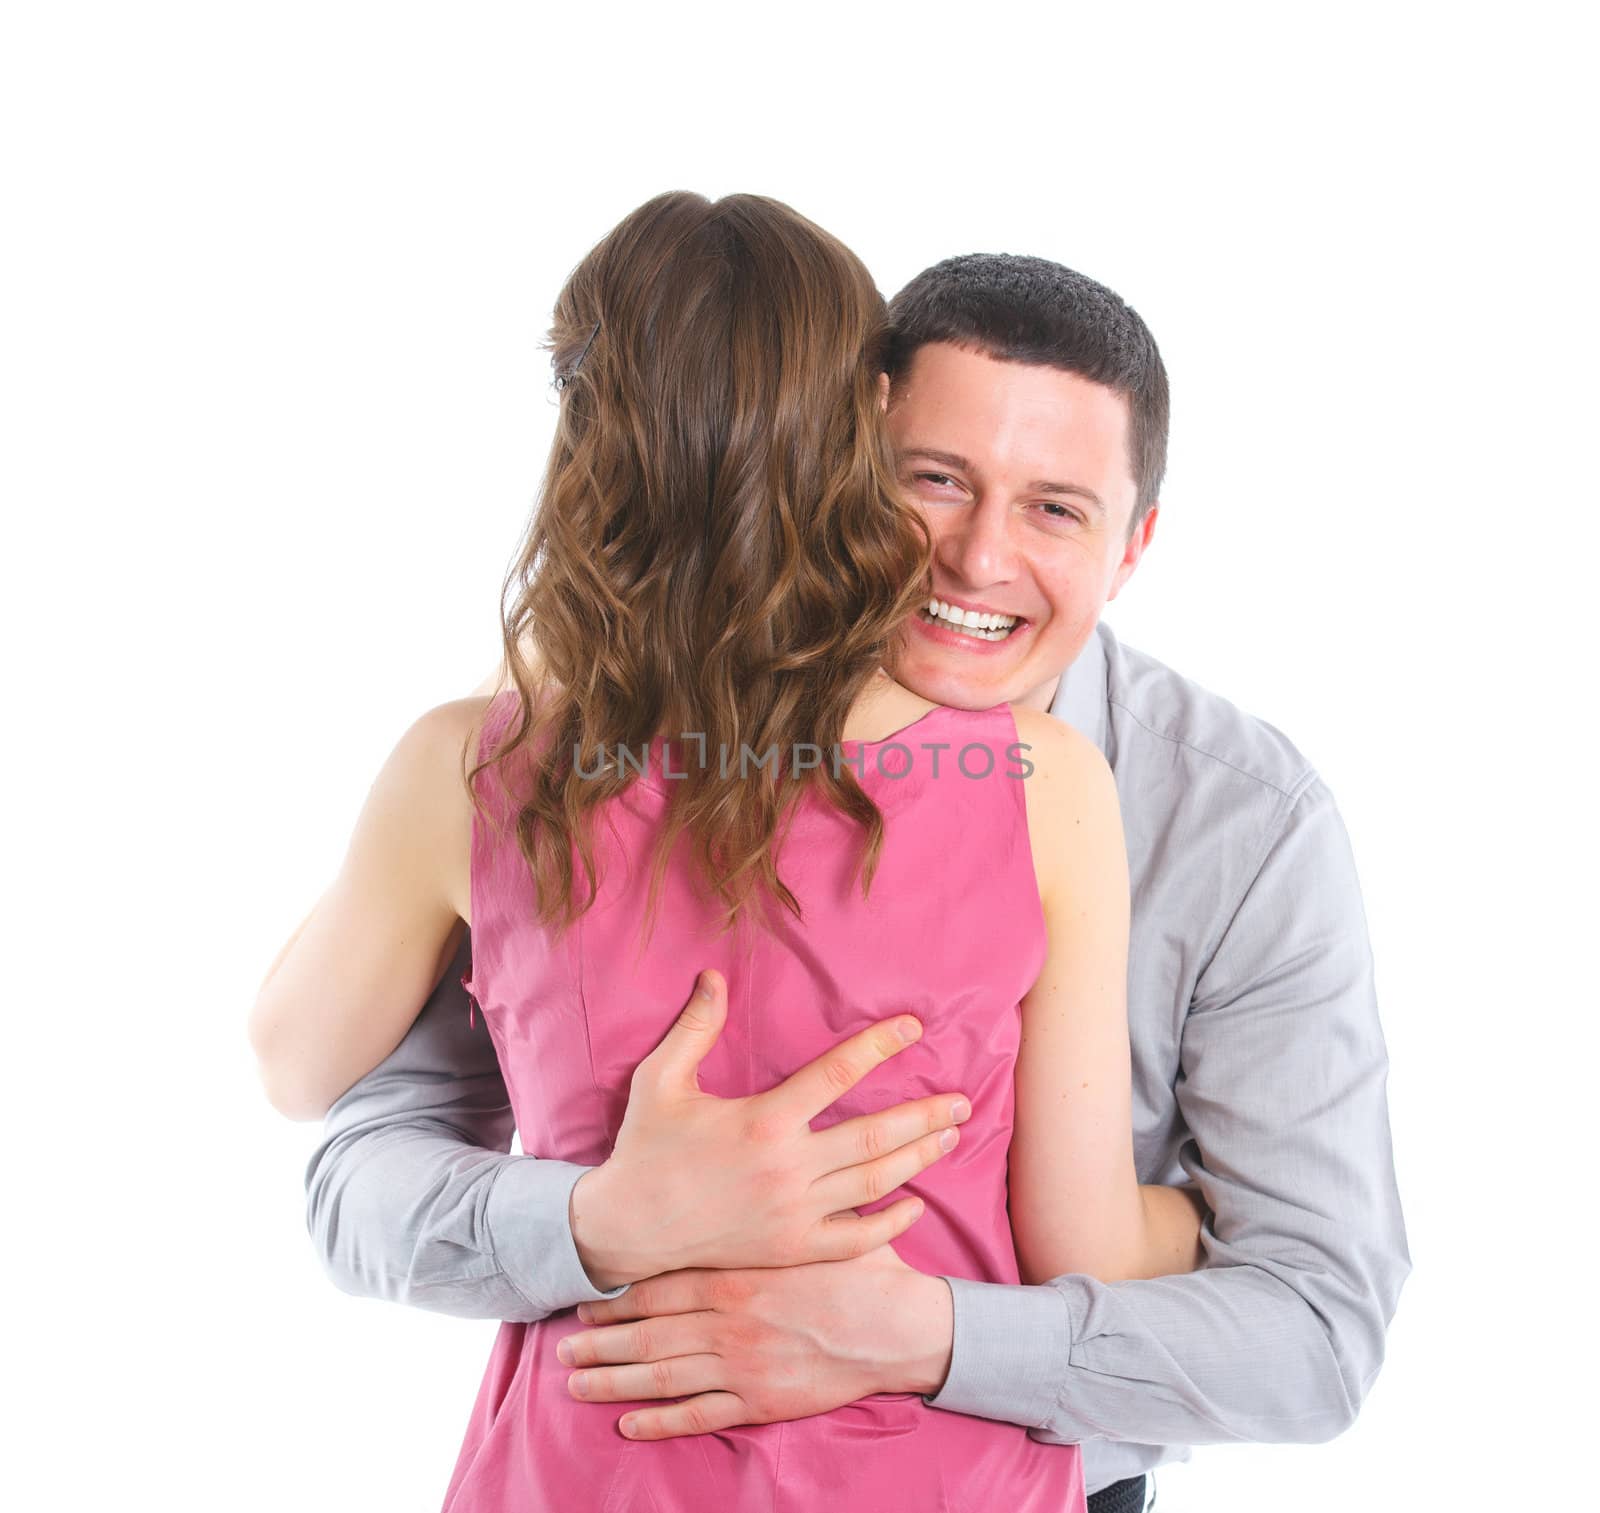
[
  {"x": 1283, "y": 1087},
  {"x": 413, "y": 1195}
]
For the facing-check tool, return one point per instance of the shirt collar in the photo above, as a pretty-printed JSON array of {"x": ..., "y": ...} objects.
[{"x": 1081, "y": 695}]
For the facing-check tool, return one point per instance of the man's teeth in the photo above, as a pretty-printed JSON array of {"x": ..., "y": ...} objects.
[{"x": 971, "y": 622}]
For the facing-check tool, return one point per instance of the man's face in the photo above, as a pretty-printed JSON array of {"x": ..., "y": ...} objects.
[{"x": 1022, "y": 474}]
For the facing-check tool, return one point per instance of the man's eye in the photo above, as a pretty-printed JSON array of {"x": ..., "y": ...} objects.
[{"x": 1060, "y": 511}]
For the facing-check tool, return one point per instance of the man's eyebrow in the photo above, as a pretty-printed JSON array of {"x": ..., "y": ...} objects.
[{"x": 1036, "y": 486}]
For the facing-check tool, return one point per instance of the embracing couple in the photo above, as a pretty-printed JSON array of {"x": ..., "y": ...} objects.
[{"x": 943, "y": 1037}]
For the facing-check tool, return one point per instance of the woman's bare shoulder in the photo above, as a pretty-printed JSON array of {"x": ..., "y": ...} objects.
[
  {"x": 458, "y": 724},
  {"x": 1063, "y": 750},
  {"x": 1070, "y": 794},
  {"x": 431, "y": 760},
  {"x": 425, "y": 779}
]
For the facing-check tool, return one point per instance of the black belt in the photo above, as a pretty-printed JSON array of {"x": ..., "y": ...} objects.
[{"x": 1119, "y": 1497}]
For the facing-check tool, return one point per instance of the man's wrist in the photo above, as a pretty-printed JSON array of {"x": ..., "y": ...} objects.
[
  {"x": 1011, "y": 1350},
  {"x": 589, "y": 1215},
  {"x": 929, "y": 1316},
  {"x": 526, "y": 1217}
]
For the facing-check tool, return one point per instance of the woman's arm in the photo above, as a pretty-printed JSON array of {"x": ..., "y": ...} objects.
[
  {"x": 347, "y": 986},
  {"x": 1075, "y": 1199}
]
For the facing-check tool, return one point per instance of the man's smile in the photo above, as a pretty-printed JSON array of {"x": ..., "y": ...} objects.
[
  {"x": 970, "y": 627},
  {"x": 977, "y": 621}
]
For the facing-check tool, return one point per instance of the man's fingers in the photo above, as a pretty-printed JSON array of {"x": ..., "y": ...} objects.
[
  {"x": 676, "y": 1376},
  {"x": 872, "y": 1180},
  {"x": 802, "y": 1096},
  {"x": 693, "y": 1033},
  {"x": 843, "y": 1237},
  {"x": 868, "y": 1136},
  {"x": 685, "y": 1291},
  {"x": 655, "y": 1339},
  {"x": 705, "y": 1414}
]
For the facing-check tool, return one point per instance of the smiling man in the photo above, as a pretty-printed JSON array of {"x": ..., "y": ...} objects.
[
  {"x": 1029, "y": 416},
  {"x": 1033, "y": 558}
]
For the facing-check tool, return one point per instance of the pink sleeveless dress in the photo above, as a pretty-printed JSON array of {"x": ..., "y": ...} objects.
[{"x": 952, "y": 932}]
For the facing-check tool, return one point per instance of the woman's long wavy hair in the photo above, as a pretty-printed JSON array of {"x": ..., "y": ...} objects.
[{"x": 719, "y": 546}]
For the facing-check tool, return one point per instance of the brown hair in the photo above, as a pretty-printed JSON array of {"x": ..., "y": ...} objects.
[{"x": 720, "y": 545}]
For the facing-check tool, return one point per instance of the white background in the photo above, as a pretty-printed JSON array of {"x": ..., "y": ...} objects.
[{"x": 274, "y": 413}]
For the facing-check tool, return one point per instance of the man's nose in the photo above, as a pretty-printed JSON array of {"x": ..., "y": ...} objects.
[{"x": 978, "y": 548}]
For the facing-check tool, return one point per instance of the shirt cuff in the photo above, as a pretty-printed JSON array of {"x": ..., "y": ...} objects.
[
  {"x": 1010, "y": 1353},
  {"x": 530, "y": 1233}
]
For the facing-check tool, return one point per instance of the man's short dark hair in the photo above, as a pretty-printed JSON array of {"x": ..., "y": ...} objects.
[{"x": 1030, "y": 310}]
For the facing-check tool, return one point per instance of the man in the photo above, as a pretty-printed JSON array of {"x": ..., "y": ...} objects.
[{"x": 1029, "y": 417}]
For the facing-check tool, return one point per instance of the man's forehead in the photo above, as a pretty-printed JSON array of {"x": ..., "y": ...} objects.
[{"x": 954, "y": 383}]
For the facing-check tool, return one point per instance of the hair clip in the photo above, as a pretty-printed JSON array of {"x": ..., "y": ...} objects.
[{"x": 561, "y": 382}]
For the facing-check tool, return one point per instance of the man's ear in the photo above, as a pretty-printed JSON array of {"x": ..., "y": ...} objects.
[
  {"x": 883, "y": 392},
  {"x": 1134, "y": 551}
]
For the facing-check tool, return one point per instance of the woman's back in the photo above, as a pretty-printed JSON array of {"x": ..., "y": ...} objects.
[{"x": 952, "y": 932}]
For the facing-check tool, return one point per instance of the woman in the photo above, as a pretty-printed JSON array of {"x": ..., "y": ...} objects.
[{"x": 702, "y": 762}]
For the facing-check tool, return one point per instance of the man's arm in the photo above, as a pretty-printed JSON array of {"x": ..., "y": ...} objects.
[
  {"x": 413, "y": 1196},
  {"x": 1280, "y": 1337}
]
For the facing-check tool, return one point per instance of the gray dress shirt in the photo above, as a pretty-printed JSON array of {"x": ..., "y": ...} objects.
[{"x": 1259, "y": 1072}]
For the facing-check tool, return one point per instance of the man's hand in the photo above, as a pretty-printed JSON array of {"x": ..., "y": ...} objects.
[
  {"x": 761, "y": 1345},
  {"x": 694, "y": 1180}
]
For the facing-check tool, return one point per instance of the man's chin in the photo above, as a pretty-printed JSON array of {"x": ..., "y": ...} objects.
[
  {"x": 944, "y": 666},
  {"x": 953, "y": 684},
  {"x": 928, "y": 665}
]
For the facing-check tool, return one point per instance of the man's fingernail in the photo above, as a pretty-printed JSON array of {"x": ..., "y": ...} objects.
[
  {"x": 909, "y": 1030},
  {"x": 580, "y": 1383},
  {"x": 960, "y": 1110},
  {"x": 564, "y": 1353},
  {"x": 628, "y": 1425}
]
